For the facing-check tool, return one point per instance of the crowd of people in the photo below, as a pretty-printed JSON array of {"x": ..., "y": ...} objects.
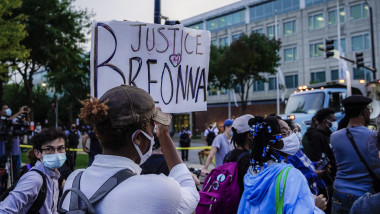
[{"x": 137, "y": 168}]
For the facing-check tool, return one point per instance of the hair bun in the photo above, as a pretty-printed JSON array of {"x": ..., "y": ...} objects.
[{"x": 93, "y": 111}]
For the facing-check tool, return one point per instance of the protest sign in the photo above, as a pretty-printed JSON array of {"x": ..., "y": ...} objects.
[{"x": 170, "y": 62}]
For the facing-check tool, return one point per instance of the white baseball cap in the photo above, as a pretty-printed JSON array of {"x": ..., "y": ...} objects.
[{"x": 241, "y": 123}]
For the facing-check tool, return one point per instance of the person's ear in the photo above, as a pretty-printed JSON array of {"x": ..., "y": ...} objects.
[
  {"x": 137, "y": 137},
  {"x": 37, "y": 154}
]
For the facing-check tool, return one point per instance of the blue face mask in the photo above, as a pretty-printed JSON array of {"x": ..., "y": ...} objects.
[
  {"x": 231, "y": 133},
  {"x": 334, "y": 126},
  {"x": 54, "y": 161},
  {"x": 8, "y": 112}
]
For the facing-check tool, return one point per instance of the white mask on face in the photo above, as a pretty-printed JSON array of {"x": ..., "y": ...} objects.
[
  {"x": 144, "y": 157},
  {"x": 291, "y": 144},
  {"x": 334, "y": 126}
]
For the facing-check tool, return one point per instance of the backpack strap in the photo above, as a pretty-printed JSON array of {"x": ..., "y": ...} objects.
[
  {"x": 39, "y": 202},
  {"x": 74, "y": 199},
  {"x": 241, "y": 156},
  {"x": 280, "y": 200}
]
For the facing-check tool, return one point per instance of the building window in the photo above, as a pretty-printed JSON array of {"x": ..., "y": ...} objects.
[
  {"x": 236, "y": 36},
  {"x": 272, "y": 83},
  {"x": 342, "y": 44},
  {"x": 237, "y": 88},
  {"x": 272, "y": 8},
  {"x": 290, "y": 27},
  {"x": 271, "y": 32},
  {"x": 313, "y": 2},
  {"x": 198, "y": 26},
  {"x": 359, "y": 11},
  {"x": 231, "y": 19},
  {"x": 360, "y": 42},
  {"x": 362, "y": 73},
  {"x": 259, "y": 30},
  {"x": 213, "y": 42},
  {"x": 223, "y": 91},
  {"x": 334, "y": 75},
  {"x": 315, "y": 51},
  {"x": 316, "y": 77},
  {"x": 212, "y": 91},
  {"x": 290, "y": 54},
  {"x": 258, "y": 85},
  {"x": 316, "y": 21},
  {"x": 333, "y": 16},
  {"x": 291, "y": 81},
  {"x": 223, "y": 42}
]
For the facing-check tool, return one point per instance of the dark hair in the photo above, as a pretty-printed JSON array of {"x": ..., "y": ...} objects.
[
  {"x": 266, "y": 137},
  {"x": 323, "y": 114},
  {"x": 240, "y": 139},
  {"x": 353, "y": 112},
  {"x": 95, "y": 113},
  {"x": 45, "y": 136}
]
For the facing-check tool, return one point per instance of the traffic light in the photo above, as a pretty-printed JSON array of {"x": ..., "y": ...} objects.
[
  {"x": 359, "y": 60},
  {"x": 329, "y": 48}
]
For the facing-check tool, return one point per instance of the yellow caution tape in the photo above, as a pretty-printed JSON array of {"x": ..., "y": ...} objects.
[{"x": 81, "y": 150}]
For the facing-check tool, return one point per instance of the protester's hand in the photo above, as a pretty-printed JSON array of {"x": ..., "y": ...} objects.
[
  {"x": 162, "y": 130},
  {"x": 85, "y": 149},
  {"x": 204, "y": 172},
  {"x": 319, "y": 173},
  {"x": 320, "y": 202},
  {"x": 22, "y": 110},
  {"x": 196, "y": 180}
]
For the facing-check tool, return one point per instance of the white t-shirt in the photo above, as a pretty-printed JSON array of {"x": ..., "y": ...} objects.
[{"x": 140, "y": 194}]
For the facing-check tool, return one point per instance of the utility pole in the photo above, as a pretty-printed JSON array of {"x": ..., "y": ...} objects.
[
  {"x": 157, "y": 11},
  {"x": 372, "y": 41}
]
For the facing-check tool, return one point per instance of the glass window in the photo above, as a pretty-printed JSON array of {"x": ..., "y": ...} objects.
[
  {"x": 272, "y": 83},
  {"x": 258, "y": 85},
  {"x": 291, "y": 81},
  {"x": 290, "y": 27},
  {"x": 342, "y": 44},
  {"x": 212, "y": 91},
  {"x": 213, "y": 42},
  {"x": 315, "y": 51},
  {"x": 272, "y": 8},
  {"x": 362, "y": 73},
  {"x": 334, "y": 74},
  {"x": 259, "y": 30},
  {"x": 237, "y": 88},
  {"x": 316, "y": 21},
  {"x": 360, "y": 42},
  {"x": 305, "y": 103},
  {"x": 333, "y": 16},
  {"x": 223, "y": 42},
  {"x": 316, "y": 77},
  {"x": 359, "y": 11},
  {"x": 198, "y": 26},
  {"x": 271, "y": 32},
  {"x": 290, "y": 54},
  {"x": 236, "y": 36},
  {"x": 226, "y": 20}
]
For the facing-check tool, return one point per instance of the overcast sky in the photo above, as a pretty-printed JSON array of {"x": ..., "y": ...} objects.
[{"x": 142, "y": 10}]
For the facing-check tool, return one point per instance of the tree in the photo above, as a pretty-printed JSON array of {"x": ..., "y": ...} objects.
[
  {"x": 243, "y": 62},
  {"x": 12, "y": 31},
  {"x": 55, "y": 31}
]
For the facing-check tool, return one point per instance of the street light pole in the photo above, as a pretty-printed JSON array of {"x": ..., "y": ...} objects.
[{"x": 372, "y": 41}]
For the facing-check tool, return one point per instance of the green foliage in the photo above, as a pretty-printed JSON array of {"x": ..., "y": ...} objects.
[
  {"x": 15, "y": 97},
  {"x": 243, "y": 61}
]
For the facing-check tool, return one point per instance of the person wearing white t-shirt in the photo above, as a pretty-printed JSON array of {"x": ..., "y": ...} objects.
[{"x": 124, "y": 119}]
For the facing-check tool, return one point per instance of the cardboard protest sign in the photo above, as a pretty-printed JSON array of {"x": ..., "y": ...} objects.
[{"x": 170, "y": 62}]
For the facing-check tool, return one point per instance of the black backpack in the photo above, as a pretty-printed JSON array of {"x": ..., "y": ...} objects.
[
  {"x": 80, "y": 204},
  {"x": 185, "y": 137},
  {"x": 73, "y": 139},
  {"x": 39, "y": 202},
  {"x": 210, "y": 137}
]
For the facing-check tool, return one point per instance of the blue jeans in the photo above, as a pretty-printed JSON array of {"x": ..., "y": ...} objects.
[{"x": 342, "y": 202}]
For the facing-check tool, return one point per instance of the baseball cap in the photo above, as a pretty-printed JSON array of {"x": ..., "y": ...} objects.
[
  {"x": 130, "y": 105},
  {"x": 241, "y": 123},
  {"x": 228, "y": 122}
]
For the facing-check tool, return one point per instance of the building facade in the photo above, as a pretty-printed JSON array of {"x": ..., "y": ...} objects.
[{"x": 303, "y": 26}]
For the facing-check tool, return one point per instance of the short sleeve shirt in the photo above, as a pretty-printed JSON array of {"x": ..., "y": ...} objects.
[{"x": 223, "y": 145}]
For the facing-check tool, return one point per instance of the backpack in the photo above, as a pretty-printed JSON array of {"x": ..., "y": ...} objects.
[
  {"x": 41, "y": 197},
  {"x": 210, "y": 137},
  {"x": 221, "y": 191},
  {"x": 73, "y": 139},
  {"x": 80, "y": 204},
  {"x": 185, "y": 137}
]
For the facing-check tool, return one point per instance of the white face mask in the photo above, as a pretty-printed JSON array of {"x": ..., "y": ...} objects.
[
  {"x": 291, "y": 144},
  {"x": 8, "y": 112},
  {"x": 144, "y": 157}
]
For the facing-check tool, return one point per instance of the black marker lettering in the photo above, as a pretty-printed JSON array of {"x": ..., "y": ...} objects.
[
  {"x": 180, "y": 81},
  {"x": 186, "y": 45},
  {"x": 147, "y": 39},
  {"x": 148, "y": 62},
  {"x": 166, "y": 67},
  {"x": 202, "y": 79},
  {"x": 138, "y": 48},
  {"x": 132, "y": 80},
  {"x": 166, "y": 39},
  {"x": 174, "y": 30},
  {"x": 198, "y": 44},
  {"x": 193, "y": 86}
]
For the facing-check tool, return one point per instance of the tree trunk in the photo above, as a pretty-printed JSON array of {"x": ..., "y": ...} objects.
[{"x": 1, "y": 91}]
